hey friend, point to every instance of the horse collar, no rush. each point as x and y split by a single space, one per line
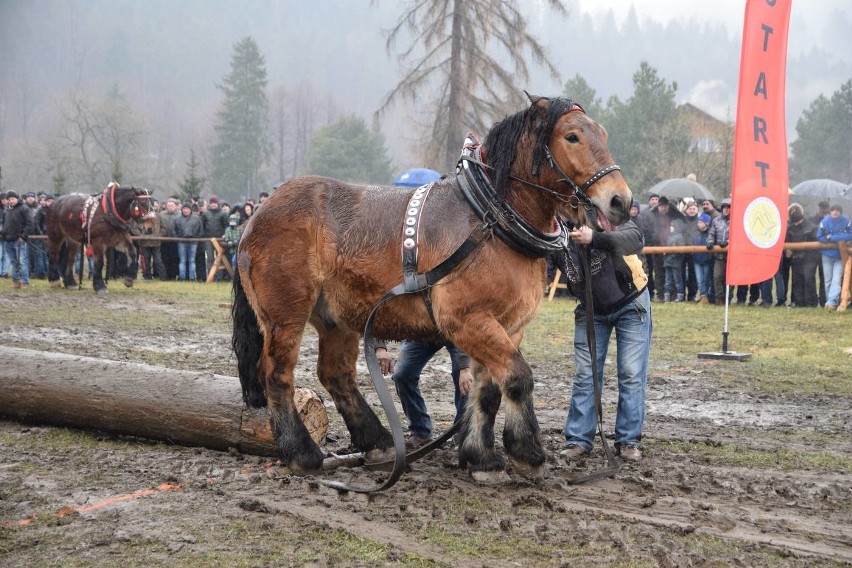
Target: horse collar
496 212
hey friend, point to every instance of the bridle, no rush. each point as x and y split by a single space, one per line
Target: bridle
137 207
578 194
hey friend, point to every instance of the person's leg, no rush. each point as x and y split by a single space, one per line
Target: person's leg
24 265
679 284
719 279
833 280
582 416
145 254
9 250
413 356
690 277
659 275
183 252
158 268
193 250
809 294
766 293
633 339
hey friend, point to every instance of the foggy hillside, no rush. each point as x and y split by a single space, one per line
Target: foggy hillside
166 57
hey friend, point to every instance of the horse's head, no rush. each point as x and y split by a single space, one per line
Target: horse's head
141 201
128 202
570 157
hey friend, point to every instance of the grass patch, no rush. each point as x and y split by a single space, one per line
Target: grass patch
801 350
742 456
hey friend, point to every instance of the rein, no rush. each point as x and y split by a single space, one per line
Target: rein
612 464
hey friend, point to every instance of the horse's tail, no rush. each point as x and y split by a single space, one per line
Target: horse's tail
247 342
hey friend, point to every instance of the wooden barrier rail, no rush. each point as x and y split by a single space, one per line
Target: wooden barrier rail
845 249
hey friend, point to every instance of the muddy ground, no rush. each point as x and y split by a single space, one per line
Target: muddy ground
729 477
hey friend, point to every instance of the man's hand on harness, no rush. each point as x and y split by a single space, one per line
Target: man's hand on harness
386 362
581 235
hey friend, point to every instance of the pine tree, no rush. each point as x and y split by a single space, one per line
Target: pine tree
241 125
348 151
192 183
823 148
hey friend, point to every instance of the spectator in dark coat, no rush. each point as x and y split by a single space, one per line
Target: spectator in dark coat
16 229
187 226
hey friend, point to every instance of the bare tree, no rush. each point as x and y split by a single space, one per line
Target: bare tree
460 70
100 141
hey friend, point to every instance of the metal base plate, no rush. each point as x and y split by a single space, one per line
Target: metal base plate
726 355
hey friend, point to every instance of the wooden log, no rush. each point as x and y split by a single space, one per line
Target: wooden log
193 409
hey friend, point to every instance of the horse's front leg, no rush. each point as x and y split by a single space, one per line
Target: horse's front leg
504 374
98 277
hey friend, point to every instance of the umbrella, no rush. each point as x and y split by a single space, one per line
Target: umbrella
416 177
680 188
822 188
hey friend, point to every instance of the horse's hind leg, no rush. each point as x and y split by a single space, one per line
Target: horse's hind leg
278 360
98 277
132 257
338 353
68 258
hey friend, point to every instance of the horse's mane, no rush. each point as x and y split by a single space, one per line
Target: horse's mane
501 142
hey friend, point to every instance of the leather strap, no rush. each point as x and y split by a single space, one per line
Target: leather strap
417 283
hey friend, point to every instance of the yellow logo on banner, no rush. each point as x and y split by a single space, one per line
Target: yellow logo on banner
762 222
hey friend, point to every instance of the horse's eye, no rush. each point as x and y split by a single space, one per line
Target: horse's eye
572 138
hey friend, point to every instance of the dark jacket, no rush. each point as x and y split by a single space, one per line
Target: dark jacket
189 227
215 223
718 233
802 232
17 222
616 269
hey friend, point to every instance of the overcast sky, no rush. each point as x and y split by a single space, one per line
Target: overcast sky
808 18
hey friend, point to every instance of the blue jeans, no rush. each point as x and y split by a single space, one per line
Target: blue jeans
413 356
4 261
19 262
832 270
766 291
704 275
632 325
674 281
186 253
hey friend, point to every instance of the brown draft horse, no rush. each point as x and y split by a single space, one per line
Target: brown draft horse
323 252
101 220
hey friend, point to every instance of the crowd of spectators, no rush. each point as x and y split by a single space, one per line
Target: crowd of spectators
161 256
805 278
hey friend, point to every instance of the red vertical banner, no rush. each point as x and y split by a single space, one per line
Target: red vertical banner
760 180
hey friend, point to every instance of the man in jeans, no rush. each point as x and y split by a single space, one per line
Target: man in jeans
16 229
621 303
413 357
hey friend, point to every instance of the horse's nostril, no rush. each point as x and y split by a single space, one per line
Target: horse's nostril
618 204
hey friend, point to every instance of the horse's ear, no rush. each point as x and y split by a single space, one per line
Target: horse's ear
535 99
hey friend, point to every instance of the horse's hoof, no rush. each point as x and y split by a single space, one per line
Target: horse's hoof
495 477
128 282
527 471
377 456
101 291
